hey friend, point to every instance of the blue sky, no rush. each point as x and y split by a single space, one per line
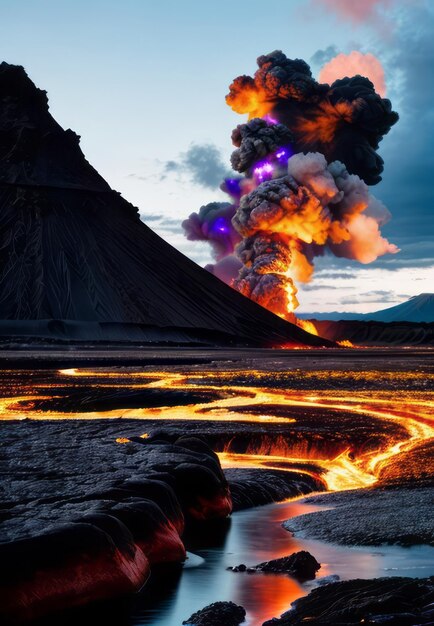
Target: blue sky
142 81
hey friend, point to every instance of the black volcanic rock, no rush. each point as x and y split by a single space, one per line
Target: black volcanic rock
85 513
394 601
76 261
253 487
300 565
218 614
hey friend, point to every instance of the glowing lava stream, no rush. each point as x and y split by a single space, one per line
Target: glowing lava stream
342 472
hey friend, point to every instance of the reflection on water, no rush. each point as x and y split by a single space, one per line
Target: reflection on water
256 535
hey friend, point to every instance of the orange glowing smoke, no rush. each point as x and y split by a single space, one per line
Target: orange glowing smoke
247 97
353 64
324 122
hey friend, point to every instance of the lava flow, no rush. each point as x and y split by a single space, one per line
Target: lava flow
345 439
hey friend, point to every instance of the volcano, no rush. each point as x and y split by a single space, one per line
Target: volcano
76 261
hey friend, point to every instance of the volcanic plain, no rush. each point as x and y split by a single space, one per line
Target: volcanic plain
111 459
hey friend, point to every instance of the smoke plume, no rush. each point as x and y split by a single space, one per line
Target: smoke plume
344 121
288 221
308 154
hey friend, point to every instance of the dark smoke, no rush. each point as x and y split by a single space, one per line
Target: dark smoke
256 140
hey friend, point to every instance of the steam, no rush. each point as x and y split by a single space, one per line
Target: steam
307 155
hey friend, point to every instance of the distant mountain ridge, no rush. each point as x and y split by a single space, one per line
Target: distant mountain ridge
417 309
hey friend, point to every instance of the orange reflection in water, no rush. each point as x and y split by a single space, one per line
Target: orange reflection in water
272 597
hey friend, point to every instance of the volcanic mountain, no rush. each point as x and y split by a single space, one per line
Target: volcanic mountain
76 261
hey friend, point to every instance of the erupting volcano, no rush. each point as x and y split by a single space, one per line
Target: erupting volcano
308 154
76 261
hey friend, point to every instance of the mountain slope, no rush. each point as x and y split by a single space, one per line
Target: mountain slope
74 250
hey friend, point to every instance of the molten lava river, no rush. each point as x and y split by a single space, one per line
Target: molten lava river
347 428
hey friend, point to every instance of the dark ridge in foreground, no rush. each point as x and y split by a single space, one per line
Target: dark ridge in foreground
394 601
76 261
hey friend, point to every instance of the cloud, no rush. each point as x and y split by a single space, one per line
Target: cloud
202 163
352 300
378 296
333 275
374 13
150 217
316 286
381 293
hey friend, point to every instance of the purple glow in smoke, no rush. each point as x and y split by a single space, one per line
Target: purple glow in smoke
263 171
220 225
232 186
269 119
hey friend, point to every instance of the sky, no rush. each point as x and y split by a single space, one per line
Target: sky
144 83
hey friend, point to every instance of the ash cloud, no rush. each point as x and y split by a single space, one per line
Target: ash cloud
358 12
308 153
355 64
344 121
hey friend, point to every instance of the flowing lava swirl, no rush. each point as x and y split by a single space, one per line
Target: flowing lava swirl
346 470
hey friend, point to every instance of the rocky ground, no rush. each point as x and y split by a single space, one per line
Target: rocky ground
84 517
88 506
371 517
391 601
85 512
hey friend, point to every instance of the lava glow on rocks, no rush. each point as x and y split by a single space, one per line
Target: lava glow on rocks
405 417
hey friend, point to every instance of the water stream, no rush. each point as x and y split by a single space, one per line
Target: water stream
256 535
